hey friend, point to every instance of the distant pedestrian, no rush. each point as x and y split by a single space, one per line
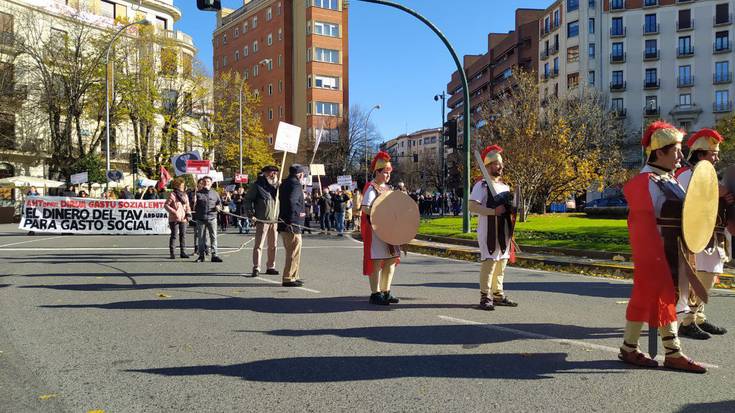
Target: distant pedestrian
325 210
238 198
261 202
125 193
339 205
291 219
150 193
179 214
207 205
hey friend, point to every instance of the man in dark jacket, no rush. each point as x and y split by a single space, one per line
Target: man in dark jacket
339 204
260 202
207 205
325 210
291 217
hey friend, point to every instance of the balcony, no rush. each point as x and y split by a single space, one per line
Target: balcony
722 78
651 84
727 20
617 5
684 51
614 33
649 29
652 112
722 107
618 86
544 32
684 26
685 81
554 50
651 55
620 112
722 46
618 58
555 73
544 54
650 3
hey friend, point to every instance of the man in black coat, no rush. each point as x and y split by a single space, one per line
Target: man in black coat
207 205
291 218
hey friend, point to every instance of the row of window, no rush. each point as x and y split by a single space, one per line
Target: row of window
721 103
685 78
416 142
323 108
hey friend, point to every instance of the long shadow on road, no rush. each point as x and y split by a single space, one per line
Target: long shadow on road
590 288
359 368
259 305
727 406
467 335
127 287
135 274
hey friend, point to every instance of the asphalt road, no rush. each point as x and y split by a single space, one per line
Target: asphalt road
109 323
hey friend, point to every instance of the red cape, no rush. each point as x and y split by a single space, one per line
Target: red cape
681 171
653 299
366 230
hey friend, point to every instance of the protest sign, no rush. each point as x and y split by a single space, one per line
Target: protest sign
145 182
198 167
344 180
241 178
94 216
287 138
80 178
179 161
317 169
334 187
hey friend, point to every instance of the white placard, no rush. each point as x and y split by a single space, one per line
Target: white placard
344 180
147 182
216 176
317 169
80 178
287 138
334 187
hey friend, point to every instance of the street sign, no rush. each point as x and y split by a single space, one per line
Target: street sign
344 180
198 167
287 138
114 175
178 162
80 178
241 178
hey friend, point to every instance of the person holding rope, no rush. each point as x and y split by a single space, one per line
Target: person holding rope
260 202
379 258
291 219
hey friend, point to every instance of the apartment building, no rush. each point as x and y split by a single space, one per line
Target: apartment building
24 132
570 47
415 147
489 74
669 59
294 54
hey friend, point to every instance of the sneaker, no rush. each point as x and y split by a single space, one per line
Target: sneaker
684 363
504 302
378 299
637 358
294 283
272 271
172 256
387 296
712 329
216 258
693 331
486 303
255 273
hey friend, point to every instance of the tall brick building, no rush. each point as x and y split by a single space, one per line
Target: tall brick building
294 53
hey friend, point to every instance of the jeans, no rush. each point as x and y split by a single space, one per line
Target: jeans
339 218
204 227
244 225
180 229
324 221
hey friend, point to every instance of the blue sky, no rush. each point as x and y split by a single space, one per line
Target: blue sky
395 60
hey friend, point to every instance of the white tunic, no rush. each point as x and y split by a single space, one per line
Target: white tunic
378 248
479 194
708 260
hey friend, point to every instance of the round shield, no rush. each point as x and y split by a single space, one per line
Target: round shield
700 207
394 217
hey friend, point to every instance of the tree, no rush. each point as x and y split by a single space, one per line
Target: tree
726 127
556 150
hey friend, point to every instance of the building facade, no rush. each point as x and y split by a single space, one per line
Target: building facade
417 158
294 54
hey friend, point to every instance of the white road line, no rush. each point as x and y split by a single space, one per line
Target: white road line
279 283
33 240
528 334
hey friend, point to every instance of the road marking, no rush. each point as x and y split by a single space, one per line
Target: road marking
528 334
279 283
33 240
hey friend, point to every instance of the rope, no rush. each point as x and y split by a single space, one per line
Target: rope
279 221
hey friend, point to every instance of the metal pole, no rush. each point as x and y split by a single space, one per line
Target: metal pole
443 163
466 93
240 123
367 161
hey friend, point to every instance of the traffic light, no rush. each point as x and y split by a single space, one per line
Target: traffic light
450 133
209 5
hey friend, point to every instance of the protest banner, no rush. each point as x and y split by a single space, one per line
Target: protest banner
241 178
145 182
80 178
344 180
94 216
334 187
198 167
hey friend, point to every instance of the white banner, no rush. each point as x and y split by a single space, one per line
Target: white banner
94 216
80 178
344 180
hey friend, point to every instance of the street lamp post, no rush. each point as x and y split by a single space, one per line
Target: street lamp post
442 182
367 161
109 78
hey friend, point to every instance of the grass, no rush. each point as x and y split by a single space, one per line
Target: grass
550 230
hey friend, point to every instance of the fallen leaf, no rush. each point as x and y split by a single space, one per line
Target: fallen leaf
621 302
162 295
96 411
47 396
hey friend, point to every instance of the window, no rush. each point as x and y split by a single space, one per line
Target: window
245 26
573 54
326 55
617 77
572 80
650 3
237 32
326 29
650 25
722 72
7 131
280 112
722 13
557 19
6 29
224 61
617 104
722 100
278 9
237 55
270 89
617 50
685 19
169 61
269 14
591 26
280 60
546 69
547 24
107 9
255 70
685 75
572 5
255 46
722 40
592 50
327 109
280 86
245 74
280 34
651 49
556 65
651 105
269 39
245 51
573 29
591 77
685 45
617 4
169 99
270 113
651 79
326 82
254 21
7 78
685 100
161 23
326 4
616 27
224 39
